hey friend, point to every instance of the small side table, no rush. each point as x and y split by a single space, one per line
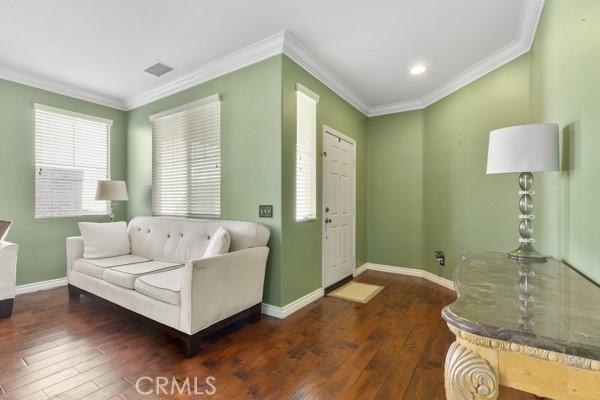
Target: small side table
8 277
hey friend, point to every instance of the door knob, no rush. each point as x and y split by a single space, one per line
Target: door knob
327 220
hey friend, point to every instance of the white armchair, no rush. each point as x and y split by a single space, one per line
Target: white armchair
8 277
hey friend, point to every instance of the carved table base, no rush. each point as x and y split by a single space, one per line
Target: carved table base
476 366
468 376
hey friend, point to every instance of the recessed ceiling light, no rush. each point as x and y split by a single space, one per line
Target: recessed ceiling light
418 69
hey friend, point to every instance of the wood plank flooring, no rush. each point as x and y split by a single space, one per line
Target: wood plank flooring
391 348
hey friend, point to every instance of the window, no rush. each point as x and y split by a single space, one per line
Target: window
306 154
71 155
186 160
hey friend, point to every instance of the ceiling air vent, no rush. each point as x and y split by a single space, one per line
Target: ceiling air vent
158 69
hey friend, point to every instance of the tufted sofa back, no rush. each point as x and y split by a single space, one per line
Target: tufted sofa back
181 240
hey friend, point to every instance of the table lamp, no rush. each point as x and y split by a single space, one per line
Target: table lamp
4 228
524 149
111 191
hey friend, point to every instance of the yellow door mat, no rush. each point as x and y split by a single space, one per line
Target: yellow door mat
356 291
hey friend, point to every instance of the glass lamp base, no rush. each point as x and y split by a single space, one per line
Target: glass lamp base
527 253
112 211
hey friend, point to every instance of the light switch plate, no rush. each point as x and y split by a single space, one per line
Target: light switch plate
265 211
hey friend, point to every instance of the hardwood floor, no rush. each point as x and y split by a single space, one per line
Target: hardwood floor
393 347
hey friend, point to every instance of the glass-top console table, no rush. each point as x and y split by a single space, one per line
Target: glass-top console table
531 326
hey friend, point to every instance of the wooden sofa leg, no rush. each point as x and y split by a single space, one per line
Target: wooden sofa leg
73 293
256 314
191 344
6 307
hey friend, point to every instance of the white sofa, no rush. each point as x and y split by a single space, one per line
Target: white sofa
8 277
166 279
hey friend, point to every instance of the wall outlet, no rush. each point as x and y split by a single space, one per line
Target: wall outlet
441 258
265 211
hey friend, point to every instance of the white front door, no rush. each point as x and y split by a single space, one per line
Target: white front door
338 207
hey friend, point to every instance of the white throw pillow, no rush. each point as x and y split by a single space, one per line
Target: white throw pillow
219 243
101 240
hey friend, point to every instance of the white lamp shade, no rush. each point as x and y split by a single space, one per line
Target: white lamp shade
111 190
523 148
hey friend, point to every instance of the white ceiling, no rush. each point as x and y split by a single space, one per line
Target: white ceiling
97 50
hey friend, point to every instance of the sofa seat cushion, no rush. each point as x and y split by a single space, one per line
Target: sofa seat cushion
125 275
162 286
96 267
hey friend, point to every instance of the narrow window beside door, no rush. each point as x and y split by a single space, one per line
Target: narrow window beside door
186 160
306 154
71 155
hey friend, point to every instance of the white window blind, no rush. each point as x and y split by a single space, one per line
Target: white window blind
71 155
186 160
306 154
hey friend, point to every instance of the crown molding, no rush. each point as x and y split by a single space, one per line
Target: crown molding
280 43
528 21
401 106
301 56
241 58
285 43
53 86
531 12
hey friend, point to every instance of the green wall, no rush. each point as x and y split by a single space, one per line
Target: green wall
462 208
395 189
42 241
302 242
258 117
251 152
427 187
258 128
565 88
421 182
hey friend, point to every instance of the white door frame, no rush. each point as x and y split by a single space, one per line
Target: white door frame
329 130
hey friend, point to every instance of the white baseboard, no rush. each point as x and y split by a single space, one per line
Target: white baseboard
43 285
360 270
271 310
268 309
289 309
419 273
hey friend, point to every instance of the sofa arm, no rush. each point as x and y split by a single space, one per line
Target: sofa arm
8 269
218 287
74 251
